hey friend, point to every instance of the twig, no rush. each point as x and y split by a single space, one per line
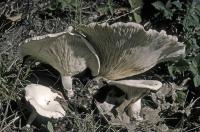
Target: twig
118 17
16 118
193 129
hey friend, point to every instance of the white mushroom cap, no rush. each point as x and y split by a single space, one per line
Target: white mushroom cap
136 88
43 100
126 49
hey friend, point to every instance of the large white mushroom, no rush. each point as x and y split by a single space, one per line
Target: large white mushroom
126 49
66 52
43 100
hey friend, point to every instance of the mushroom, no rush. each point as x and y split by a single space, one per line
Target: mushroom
126 49
42 99
66 52
134 89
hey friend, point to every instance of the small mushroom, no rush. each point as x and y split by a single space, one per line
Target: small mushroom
134 89
66 52
126 49
42 99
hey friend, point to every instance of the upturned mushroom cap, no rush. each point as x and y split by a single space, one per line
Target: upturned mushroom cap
43 100
64 51
129 108
135 89
126 49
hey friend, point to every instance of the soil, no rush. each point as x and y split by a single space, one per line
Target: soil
173 108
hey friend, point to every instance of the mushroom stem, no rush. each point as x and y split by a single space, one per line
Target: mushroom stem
134 110
67 84
31 118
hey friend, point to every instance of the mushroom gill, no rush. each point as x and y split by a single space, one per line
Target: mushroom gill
126 49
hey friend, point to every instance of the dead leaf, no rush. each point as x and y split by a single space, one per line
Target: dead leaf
15 18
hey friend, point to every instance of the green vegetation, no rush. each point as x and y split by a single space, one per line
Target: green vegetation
187 16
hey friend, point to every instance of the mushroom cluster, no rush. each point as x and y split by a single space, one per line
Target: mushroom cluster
112 52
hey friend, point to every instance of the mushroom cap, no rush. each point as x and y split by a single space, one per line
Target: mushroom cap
135 89
126 49
64 51
43 100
